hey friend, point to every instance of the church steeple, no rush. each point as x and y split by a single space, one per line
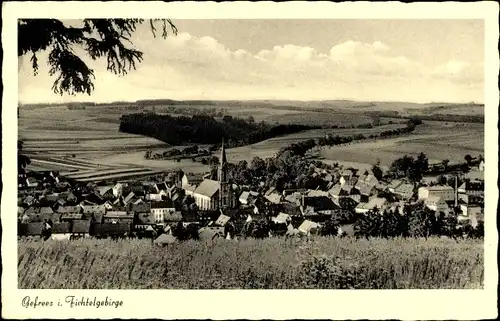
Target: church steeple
224 192
222 164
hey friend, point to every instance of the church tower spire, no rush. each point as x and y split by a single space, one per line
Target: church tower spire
222 177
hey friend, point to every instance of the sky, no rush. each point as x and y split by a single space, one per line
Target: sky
364 60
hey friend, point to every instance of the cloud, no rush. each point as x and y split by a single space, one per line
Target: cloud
188 67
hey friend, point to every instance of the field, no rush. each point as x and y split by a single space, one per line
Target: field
252 264
57 138
436 139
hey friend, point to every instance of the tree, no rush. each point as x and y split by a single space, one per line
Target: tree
468 159
377 171
445 163
99 38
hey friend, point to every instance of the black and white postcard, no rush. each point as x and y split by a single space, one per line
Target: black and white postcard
249 160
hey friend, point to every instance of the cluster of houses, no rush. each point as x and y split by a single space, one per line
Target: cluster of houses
140 208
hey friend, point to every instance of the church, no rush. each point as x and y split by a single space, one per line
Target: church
215 194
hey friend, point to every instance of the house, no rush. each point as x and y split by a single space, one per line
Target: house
110 229
282 218
41 217
471 192
61 231
318 203
222 220
106 192
294 197
393 185
445 192
368 178
118 190
346 229
142 207
68 217
470 211
160 210
94 217
30 211
190 179
46 210
273 196
156 196
33 229
32 182
375 203
248 197
308 227
291 209
335 191
161 187
88 209
29 200
346 175
404 191
189 190
144 220
130 198
165 239
69 209
118 217
206 195
436 203
170 217
481 166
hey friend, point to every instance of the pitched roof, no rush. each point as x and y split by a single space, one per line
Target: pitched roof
282 218
222 220
54 217
145 219
69 209
104 189
293 197
438 188
335 190
129 197
161 186
244 196
307 226
291 209
46 210
118 214
34 228
395 183
141 207
165 239
377 202
432 199
110 228
207 187
61 228
71 216
270 191
163 204
173 217
404 189
317 193
274 198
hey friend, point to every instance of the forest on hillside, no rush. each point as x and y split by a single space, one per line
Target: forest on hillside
203 129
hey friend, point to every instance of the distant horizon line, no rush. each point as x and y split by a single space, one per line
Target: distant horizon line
472 102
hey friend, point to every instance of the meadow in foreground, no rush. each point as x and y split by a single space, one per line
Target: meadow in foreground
317 263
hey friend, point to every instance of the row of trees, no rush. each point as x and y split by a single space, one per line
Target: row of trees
416 221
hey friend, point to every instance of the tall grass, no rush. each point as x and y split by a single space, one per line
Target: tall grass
252 264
